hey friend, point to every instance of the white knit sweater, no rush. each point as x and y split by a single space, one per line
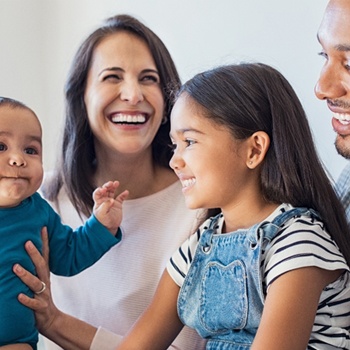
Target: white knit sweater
114 292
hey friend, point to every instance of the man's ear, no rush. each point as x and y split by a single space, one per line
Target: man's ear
258 145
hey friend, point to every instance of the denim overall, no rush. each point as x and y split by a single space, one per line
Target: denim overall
222 296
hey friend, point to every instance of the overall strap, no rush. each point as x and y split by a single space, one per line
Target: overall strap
207 234
271 228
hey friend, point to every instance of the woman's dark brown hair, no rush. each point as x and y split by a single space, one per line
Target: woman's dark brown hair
77 161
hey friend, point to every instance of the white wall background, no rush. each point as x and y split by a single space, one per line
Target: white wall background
39 37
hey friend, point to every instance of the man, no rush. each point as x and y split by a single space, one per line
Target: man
333 85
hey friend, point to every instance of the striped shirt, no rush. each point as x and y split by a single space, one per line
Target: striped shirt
300 242
343 189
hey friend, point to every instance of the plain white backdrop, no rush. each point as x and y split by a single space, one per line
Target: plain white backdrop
39 38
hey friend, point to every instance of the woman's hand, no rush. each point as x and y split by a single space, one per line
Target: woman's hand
65 330
42 304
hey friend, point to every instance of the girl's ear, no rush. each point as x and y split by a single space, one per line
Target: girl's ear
258 145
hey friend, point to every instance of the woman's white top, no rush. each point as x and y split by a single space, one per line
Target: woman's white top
115 291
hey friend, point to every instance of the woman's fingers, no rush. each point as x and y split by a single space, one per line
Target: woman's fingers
45 241
33 282
40 261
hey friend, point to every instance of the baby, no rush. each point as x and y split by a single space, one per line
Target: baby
23 213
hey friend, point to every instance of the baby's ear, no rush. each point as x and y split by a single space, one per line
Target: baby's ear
259 144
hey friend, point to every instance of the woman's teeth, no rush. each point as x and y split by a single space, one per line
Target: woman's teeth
127 118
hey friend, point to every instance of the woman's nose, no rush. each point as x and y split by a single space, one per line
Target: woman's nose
131 92
330 83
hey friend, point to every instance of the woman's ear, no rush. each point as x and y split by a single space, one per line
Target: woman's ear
258 145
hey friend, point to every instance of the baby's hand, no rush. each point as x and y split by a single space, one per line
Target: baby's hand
108 206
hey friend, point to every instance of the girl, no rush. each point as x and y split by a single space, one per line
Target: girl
268 270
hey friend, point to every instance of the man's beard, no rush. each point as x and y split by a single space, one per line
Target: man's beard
343 146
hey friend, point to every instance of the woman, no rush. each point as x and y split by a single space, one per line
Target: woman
118 99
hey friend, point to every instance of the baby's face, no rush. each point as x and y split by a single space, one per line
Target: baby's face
21 170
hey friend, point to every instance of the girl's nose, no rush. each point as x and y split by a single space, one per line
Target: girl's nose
330 84
131 92
176 162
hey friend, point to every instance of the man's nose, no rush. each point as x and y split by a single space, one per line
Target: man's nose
330 84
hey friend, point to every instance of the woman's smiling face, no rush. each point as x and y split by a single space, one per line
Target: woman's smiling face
123 95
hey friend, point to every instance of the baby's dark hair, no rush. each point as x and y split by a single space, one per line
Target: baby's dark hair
10 102
15 104
251 97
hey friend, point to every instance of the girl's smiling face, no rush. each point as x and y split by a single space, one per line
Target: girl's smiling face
209 161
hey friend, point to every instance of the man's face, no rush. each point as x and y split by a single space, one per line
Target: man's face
334 81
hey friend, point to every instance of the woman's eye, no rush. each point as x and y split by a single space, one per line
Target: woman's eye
150 78
111 77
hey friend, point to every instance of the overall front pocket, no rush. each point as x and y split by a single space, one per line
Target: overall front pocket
224 300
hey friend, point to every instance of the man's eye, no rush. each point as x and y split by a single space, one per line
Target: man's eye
323 54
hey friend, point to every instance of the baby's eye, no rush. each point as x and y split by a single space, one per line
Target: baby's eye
31 151
3 147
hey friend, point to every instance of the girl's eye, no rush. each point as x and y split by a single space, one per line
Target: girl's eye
172 146
190 142
31 151
3 147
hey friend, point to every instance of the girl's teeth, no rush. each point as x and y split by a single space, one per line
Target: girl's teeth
189 182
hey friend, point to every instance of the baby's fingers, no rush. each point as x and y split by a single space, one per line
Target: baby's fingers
111 187
122 196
